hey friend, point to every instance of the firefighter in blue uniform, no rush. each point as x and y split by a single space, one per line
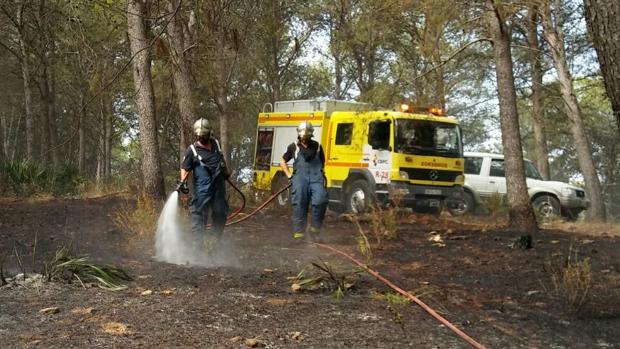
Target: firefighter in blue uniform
205 160
308 182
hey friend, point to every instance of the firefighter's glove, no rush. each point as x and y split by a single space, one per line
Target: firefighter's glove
182 187
290 178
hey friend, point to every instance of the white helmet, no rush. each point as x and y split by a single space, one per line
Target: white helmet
201 127
305 129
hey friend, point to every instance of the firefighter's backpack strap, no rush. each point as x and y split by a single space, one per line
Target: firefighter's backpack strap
196 155
296 151
219 148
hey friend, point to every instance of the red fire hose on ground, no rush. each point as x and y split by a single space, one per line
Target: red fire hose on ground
411 297
374 273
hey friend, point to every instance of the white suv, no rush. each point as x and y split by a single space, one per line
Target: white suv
484 177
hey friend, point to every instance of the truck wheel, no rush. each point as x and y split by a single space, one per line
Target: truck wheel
465 205
358 198
546 206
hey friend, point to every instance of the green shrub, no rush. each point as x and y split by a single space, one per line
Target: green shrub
25 178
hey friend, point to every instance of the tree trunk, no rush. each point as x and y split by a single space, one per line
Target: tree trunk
48 142
108 116
100 155
222 102
44 140
140 49
538 123
2 137
81 136
51 117
101 146
338 93
521 216
11 131
25 68
554 36
181 77
603 18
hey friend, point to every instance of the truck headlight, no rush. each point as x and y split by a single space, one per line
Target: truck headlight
404 175
459 178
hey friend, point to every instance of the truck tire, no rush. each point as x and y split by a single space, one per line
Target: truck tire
358 197
465 207
546 206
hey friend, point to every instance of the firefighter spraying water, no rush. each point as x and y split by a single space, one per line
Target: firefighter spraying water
205 161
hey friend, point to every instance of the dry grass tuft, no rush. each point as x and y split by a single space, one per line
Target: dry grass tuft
496 205
140 220
325 276
572 280
585 228
384 223
116 329
390 297
375 227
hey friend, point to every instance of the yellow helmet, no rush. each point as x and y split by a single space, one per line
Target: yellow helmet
201 127
305 129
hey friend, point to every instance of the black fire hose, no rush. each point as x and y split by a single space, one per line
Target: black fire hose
242 198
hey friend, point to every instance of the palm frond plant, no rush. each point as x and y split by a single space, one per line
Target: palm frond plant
66 266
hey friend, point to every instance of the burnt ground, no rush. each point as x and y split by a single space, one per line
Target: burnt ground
499 295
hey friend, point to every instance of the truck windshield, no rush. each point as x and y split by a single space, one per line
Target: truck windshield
422 137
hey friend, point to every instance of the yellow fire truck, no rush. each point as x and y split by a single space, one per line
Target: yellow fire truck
371 156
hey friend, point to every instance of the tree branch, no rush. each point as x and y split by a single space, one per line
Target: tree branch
452 56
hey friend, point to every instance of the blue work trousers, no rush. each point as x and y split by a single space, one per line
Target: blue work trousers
303 195
209 198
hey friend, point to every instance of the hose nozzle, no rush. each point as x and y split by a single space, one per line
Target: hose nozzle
182 187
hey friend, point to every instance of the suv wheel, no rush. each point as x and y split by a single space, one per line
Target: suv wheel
546 206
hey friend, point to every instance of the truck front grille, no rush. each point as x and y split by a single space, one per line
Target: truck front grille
423 174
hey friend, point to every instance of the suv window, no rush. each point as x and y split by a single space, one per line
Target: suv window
473 165
531 171
497 168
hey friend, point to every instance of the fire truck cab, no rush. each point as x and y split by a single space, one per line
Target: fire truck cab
413 158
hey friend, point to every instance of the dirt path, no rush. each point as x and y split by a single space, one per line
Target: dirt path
497 294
